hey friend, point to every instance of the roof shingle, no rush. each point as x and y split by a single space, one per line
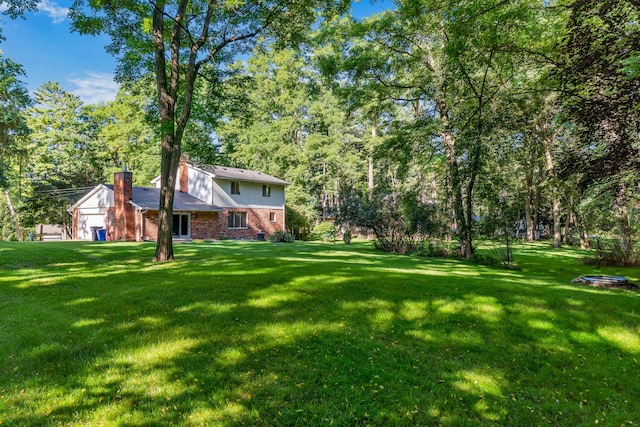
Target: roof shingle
149 199
226 172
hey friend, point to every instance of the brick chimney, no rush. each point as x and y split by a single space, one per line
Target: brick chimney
183 174
124 217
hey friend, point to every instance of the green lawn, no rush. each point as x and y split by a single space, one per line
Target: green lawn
255 333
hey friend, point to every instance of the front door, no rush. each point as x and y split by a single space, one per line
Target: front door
181 225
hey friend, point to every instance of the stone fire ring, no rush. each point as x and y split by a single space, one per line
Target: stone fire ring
606 282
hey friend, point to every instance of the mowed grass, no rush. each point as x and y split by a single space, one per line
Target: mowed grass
254 333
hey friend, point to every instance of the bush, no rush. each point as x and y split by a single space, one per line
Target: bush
281 236
325 231
432 250
399 226
610 254
298 224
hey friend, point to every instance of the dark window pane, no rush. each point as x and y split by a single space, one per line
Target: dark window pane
235 187
184 225
175 228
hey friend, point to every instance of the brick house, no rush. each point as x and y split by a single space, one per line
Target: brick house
211 202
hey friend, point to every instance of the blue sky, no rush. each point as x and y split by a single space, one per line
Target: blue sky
44 45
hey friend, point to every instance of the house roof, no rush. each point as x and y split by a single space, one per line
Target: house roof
88 195
226 172
235 174
149 198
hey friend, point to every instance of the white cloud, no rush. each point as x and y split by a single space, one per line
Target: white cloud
56 12
94 87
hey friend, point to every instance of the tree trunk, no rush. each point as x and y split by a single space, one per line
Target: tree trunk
172 128
536 204
370 181
557 225
621 215
168 174
555 193
467 249
464 236
14 217
570 220
528 216
583 232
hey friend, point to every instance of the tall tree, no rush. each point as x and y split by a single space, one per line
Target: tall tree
453 59
13 100
66 153
285 119
181 40
128 133
601 90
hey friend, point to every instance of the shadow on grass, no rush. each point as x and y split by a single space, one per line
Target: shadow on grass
253 333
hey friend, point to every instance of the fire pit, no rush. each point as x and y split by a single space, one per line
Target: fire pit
606 282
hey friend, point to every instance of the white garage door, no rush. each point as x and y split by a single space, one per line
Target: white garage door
86 221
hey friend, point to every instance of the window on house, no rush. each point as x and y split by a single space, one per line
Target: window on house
272 217
266 190
180 225
235 187
237 220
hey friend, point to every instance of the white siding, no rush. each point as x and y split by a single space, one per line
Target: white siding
200 185
86 221
93 211
250 195
101 199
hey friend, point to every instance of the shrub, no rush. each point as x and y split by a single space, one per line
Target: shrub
281 236
610 254
432 250
325 231
399 226
298 223
496 258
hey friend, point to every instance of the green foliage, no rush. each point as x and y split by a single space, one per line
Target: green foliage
288 121
281 236
325 231
17 8
67 155
400 226
346 236
434 249
298 224
497 256
63 139
13 128
600 86
127 133
609 253
7 227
